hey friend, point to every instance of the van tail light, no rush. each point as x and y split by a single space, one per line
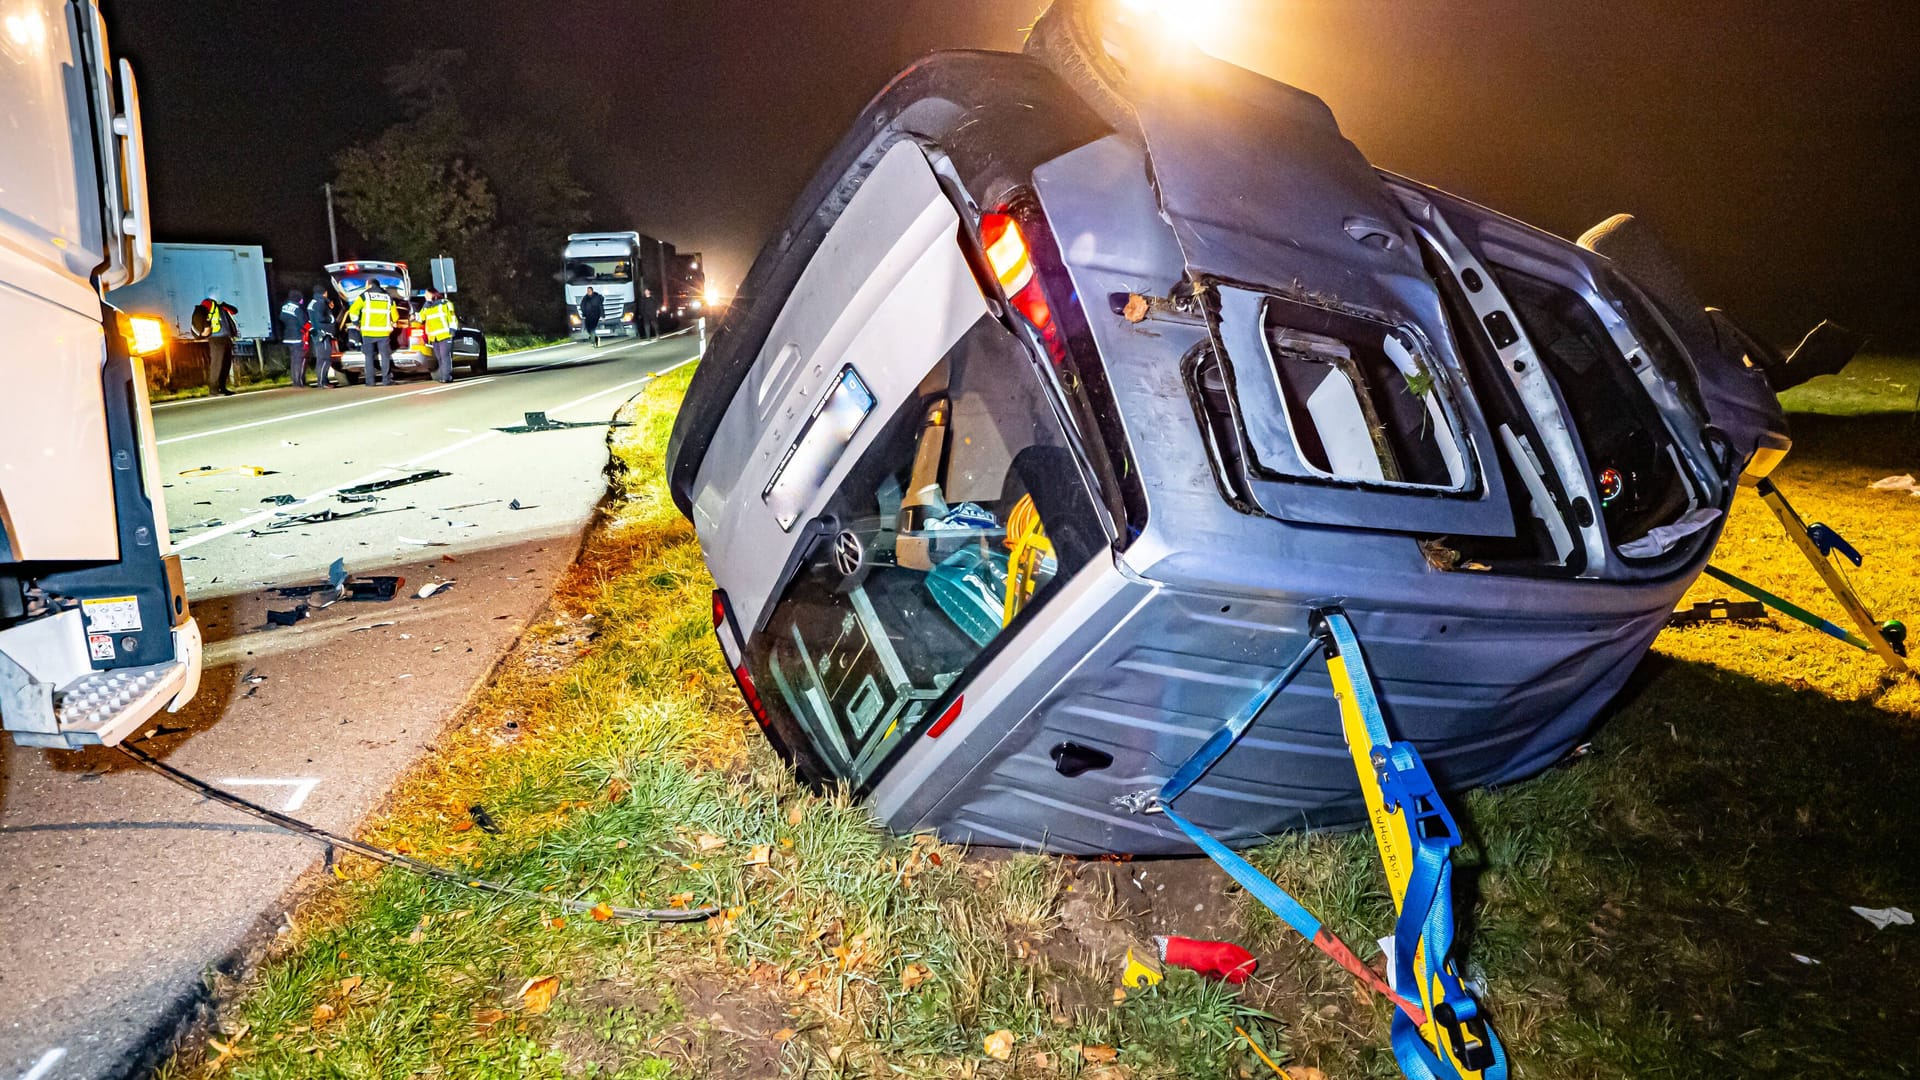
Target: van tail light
735 652
947 718
1012 263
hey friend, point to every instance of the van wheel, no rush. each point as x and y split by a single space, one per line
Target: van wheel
1068 41
478 365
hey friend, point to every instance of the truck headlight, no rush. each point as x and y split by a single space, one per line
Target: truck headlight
573 319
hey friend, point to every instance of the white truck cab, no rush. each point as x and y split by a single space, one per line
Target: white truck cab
95 636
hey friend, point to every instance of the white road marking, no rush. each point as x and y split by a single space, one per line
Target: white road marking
44 1067
293 416
440 389
302 787
267 515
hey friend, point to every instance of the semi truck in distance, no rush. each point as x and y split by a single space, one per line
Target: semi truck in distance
611 264
95 635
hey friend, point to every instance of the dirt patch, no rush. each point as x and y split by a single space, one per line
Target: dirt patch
1113 905
728 1028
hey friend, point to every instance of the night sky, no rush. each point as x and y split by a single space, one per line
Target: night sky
1776 145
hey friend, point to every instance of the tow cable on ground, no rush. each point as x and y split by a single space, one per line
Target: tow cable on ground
391 858
1442 1035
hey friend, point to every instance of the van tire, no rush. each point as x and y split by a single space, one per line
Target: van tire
1065 39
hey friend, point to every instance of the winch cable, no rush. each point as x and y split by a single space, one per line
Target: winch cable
392 858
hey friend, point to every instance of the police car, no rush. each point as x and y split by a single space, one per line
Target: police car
411 353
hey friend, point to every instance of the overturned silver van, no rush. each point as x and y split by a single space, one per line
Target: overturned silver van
1066 395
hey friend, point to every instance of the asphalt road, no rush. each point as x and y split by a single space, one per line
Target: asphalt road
120 892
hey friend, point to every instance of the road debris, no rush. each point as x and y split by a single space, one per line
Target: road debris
483 820
430 588
1904 482
371 626
423 543
287 618
1881 918
388 485
229 470
539 421
469 506
346 498
517 505
210 523
280 500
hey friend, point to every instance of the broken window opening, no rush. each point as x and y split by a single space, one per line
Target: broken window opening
1363 402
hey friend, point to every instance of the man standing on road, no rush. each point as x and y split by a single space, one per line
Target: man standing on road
440 320
372 312
293 334
649 313
592 306
320 334
214 321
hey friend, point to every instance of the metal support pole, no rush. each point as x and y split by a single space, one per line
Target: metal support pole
333 233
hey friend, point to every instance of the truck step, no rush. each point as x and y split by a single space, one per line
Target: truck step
104 707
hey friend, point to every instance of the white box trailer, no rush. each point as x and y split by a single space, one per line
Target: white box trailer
181 277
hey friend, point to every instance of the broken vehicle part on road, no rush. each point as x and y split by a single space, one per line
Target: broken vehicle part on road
372 487
539 421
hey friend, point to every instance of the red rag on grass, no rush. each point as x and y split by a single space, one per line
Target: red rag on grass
1215 959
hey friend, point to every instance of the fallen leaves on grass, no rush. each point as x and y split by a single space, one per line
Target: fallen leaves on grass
796 814
601 912
349 984
322 1013
484 1019
784 1035
1098 1055
558 922
999 1045
710 842
537 996
913 975
680 900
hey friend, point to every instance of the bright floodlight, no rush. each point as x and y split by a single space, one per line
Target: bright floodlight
1187 20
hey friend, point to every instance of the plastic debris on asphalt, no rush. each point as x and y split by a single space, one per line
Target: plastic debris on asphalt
423 543
398 481
1881 918
539 421
430 588
286 618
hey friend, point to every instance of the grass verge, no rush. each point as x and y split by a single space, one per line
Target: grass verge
1636 913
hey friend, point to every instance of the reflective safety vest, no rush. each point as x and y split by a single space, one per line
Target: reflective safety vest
216 321
372 313
440 320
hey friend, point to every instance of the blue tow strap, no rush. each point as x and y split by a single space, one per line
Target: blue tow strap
1424 929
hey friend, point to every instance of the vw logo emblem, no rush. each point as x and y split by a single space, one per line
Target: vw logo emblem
848 554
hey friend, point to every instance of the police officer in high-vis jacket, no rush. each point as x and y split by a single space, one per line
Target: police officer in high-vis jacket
373 312
440 321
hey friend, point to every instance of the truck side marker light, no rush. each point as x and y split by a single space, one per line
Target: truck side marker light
946 720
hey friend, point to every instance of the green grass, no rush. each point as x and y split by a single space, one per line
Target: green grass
1633 914
1867 386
